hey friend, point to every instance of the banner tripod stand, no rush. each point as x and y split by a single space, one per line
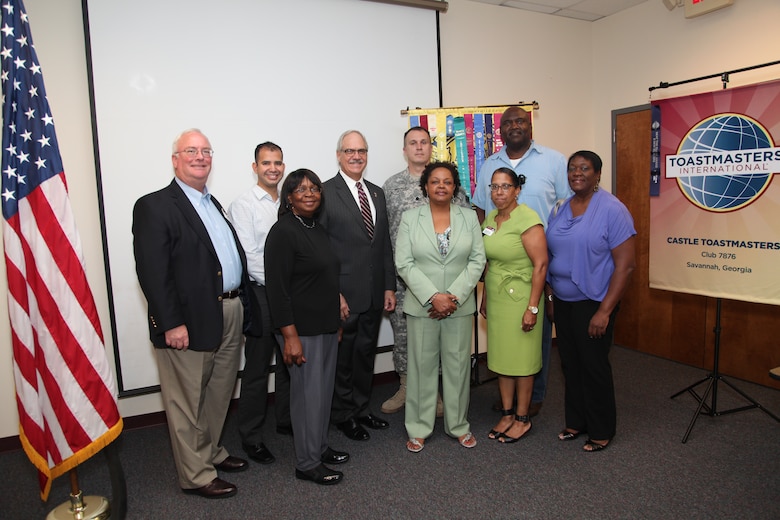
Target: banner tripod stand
712 387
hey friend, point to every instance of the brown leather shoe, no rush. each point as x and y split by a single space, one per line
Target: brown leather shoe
232 465
217 488
534 409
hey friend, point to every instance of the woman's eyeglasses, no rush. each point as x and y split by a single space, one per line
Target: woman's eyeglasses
501 187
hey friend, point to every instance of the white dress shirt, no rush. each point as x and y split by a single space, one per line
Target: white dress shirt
252 215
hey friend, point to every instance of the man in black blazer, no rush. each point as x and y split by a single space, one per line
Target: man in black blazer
192 270
355 215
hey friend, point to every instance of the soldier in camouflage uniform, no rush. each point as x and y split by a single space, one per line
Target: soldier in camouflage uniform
402 192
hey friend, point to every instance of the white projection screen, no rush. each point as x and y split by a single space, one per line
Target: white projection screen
295 72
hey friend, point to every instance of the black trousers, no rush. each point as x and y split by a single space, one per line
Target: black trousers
355 366
253 404
590 391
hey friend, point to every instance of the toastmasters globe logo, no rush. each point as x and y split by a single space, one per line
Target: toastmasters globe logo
724 162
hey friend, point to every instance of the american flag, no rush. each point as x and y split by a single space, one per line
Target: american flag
65 391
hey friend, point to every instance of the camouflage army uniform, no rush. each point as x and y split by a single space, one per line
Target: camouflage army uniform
403 192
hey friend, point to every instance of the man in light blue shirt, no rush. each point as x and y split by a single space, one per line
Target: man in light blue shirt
546 182
192 270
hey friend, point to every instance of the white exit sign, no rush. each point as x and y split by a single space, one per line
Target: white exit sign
694 8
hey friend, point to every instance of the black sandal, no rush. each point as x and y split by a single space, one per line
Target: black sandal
495 434
594 446
567 435
506 439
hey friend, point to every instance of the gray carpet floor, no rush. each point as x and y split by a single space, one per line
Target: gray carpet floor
729 468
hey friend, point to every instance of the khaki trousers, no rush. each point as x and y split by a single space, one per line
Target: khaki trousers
196 390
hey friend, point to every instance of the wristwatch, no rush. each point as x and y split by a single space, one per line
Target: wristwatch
534 310
549 297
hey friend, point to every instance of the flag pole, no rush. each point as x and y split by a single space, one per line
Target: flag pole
80 507
66 393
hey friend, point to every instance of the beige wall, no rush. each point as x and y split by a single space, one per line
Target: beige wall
648 44
495 55
578 71
581 71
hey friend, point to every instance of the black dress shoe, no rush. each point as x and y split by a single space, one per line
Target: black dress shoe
322 475
259 453
332 456
284 430
232 465
353 430
373 422
217 488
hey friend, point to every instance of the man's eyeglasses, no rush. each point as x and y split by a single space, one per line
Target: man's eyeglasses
312 189
500 187
353 151
193 152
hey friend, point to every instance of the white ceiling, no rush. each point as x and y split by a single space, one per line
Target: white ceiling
589 10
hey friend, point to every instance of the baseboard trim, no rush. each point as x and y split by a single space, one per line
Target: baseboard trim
156 418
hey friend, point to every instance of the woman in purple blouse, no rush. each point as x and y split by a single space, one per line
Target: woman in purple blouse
590 238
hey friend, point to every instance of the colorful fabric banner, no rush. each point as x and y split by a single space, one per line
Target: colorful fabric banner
481 136
470 173
497 142
489 135
65 392
461 155
655 152
479 147
451 150
714 228
438 130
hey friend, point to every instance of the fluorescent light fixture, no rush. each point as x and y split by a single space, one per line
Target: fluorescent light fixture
436 5
528 6
579 15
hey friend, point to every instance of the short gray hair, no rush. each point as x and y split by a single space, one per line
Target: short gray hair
183 133
345 134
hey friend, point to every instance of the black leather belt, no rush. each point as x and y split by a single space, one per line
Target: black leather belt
231 294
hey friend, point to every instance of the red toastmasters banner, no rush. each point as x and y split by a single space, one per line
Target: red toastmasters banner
715 222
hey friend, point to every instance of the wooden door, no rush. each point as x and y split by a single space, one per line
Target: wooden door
679 326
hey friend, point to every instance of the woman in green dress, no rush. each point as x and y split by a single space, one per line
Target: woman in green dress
516 250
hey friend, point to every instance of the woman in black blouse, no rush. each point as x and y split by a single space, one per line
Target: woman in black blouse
302 283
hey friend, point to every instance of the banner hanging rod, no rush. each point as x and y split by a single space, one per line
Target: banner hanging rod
532 104
724 76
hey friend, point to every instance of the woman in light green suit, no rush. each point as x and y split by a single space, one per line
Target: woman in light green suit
440 255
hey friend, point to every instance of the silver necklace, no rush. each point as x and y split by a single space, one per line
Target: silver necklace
313 223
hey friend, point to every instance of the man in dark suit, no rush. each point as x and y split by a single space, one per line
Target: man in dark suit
192 270
355 215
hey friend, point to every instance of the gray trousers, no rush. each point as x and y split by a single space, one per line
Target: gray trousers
311 394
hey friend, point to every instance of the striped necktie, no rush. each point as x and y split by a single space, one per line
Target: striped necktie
365 210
